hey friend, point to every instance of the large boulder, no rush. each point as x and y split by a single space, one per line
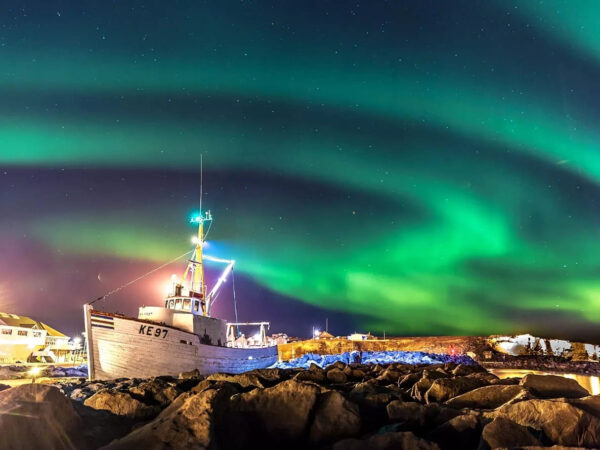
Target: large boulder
436 414
277 414
461 432
373 398
387 441
561 422
334 418
506 381
589 404
391 375
268 377
156 391
412 414
553 386
190 374
488 397
486 377
419 389
446 388
462 370
245 380
504 433
79 394
4 386
121 404
311 375
336 376
355 373
409 380
336 365
189 422
38 416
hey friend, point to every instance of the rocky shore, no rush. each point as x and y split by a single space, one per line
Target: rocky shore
545 364
342 406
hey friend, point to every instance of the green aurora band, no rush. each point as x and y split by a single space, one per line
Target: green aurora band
474 222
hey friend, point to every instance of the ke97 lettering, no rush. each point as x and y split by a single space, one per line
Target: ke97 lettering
150 330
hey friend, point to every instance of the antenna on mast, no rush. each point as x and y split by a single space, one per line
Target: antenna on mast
201 171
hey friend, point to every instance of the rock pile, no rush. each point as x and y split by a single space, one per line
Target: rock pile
342 406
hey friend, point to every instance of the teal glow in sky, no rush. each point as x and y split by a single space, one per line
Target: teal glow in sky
412 169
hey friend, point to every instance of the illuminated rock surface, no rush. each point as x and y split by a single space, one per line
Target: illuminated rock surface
380 406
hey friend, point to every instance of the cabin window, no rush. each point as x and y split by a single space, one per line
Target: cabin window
5 331
166 303
171 303
22 333
196 305
178 303
186 304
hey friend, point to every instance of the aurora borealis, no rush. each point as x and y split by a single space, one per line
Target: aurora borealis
414 167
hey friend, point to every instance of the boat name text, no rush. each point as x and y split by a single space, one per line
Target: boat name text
150 330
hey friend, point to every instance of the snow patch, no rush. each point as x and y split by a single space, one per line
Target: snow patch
592 350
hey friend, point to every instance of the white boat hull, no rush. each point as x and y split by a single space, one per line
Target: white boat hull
123 347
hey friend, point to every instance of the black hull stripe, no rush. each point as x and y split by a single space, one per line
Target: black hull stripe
110 327
96 316
102 321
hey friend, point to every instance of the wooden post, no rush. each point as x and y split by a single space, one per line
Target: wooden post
89 346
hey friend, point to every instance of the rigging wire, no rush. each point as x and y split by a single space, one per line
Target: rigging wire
201 172
208 230
114 291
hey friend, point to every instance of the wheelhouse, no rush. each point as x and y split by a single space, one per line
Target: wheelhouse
187 304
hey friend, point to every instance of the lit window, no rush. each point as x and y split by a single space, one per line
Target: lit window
171 303
5 331
22 333
186 304
178 303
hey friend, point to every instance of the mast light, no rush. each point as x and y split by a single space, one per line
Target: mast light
201 218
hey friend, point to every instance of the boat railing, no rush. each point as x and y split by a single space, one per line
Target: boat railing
237 339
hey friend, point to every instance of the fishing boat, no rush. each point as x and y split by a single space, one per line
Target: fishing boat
180 336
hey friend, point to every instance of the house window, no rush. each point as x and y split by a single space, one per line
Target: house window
37 334
5 331
22 333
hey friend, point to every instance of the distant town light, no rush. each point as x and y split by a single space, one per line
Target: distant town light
34 371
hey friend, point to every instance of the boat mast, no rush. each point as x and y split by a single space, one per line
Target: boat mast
195 265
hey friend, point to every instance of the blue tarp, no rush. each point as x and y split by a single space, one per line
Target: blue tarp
54 371
373 358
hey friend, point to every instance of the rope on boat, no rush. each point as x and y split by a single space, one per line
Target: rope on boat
114 291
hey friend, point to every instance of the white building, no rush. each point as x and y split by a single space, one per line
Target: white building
360 337
23 339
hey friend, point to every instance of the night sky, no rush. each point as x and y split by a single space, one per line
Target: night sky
414 167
